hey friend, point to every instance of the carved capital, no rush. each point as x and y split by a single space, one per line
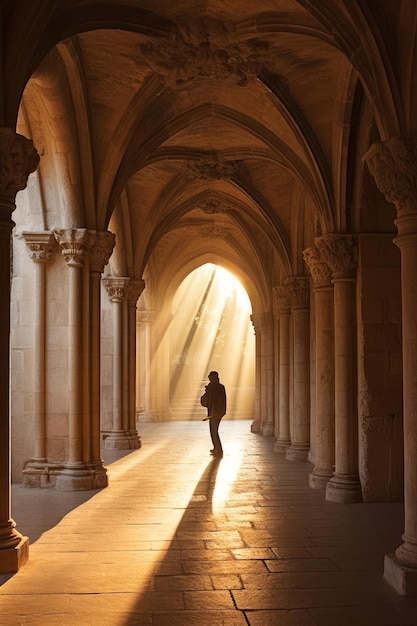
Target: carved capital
282 305
18 159
262 322
318 268
134 290
145 317
116 287
298 290
340 253
101 250
393 164
40 245
74 243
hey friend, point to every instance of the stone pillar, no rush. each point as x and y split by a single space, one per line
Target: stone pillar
143 367
40 246
265 323
135 288
75 475
325 392
340 254
256 426
283 440
394 167
18 159
298 290
116 288
99 256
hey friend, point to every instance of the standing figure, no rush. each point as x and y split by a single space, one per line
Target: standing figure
214 399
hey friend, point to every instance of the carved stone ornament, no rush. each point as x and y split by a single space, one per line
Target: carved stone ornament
145 317
206 48
318 268
134 290
18 159
40 245
116 287
210 207
213 231
282 303
262 322
340 253
298 290
74 243
393 164
211 166
101 250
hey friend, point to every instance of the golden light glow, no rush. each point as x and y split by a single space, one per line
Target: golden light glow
211 330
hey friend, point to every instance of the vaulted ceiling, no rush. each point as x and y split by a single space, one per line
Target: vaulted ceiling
200 130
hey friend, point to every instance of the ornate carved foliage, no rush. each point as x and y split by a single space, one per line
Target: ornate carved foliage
116 287
134 289
101 250
18 159
282 304
298 291
393 164
205 48
212 166
339 252
40 245
74 243
319 270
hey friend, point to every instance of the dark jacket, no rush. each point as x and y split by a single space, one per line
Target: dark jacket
214 399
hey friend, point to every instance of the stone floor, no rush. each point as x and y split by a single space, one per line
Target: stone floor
179 539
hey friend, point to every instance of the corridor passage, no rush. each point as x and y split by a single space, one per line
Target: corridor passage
178 539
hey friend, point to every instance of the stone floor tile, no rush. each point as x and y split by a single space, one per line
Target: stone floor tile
200 618
203 600
301 565
282 618
183 582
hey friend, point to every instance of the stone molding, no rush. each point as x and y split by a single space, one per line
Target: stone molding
116 287
320 271
40 245
339 252
298 290
101 250
18 159
134 290
206 48
74 243
393 164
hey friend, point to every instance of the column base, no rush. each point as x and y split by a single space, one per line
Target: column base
282 445
12 559
402 578
41 475
297 453
255 426
135 442
72 479
319 478
344 488
117 441
268 430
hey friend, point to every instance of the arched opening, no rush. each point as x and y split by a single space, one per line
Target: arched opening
211 329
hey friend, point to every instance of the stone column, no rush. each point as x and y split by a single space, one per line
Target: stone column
40 246
99 256
18 159
298 290
256 426
324 330
394 167
116 288
266 323
143 366
75 475
340 254
284 312
135 288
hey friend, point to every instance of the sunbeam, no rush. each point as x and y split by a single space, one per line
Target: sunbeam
211 329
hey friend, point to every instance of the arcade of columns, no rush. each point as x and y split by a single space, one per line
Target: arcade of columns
283 374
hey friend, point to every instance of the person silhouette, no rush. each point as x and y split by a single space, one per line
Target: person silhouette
214 400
